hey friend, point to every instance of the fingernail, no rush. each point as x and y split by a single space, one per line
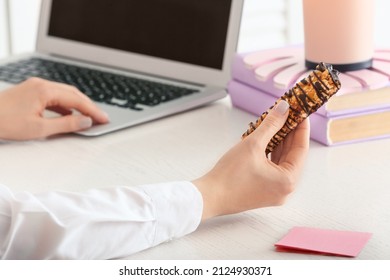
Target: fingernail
106 115
282 107
85 122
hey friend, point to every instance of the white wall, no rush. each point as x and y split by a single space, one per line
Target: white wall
4 47
24 23
382 23
265 24
269 24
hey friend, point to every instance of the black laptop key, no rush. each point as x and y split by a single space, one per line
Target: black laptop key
100 86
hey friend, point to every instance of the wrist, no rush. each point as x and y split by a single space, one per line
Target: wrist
207 188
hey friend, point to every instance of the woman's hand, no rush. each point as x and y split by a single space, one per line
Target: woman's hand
22 107
244 178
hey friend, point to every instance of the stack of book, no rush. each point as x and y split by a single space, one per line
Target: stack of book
359 111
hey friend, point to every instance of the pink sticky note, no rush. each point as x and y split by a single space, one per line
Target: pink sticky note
323 241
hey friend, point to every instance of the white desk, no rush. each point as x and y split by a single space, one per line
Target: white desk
344 188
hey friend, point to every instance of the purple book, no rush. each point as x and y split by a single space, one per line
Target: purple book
277 70
328 130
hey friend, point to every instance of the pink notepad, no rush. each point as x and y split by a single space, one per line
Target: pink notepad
323 241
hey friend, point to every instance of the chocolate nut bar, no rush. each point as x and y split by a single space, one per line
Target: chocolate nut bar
306 97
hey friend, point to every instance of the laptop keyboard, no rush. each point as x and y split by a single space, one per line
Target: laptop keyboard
100 86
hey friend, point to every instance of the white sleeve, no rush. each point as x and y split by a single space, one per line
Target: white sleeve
98 224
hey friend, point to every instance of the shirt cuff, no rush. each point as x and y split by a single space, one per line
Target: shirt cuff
178 209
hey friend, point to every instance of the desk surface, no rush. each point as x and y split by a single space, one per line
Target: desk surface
344 188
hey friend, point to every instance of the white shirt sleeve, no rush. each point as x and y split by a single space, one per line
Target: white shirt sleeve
98 224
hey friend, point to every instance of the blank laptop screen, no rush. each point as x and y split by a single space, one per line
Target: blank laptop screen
189 31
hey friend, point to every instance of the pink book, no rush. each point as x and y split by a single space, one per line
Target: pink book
328 130
277 70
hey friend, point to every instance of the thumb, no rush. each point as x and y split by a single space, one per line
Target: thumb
65 124
273 122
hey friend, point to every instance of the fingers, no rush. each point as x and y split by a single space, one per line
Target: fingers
64 124
296 148
274 121
281 150
72 89
60 110
76 100
57 95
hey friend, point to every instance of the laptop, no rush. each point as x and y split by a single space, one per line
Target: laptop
138 60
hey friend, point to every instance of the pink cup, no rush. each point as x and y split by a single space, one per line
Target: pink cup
339 32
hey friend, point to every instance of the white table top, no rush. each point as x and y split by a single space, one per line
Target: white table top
344 188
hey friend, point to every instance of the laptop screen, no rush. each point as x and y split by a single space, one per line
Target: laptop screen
188 31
